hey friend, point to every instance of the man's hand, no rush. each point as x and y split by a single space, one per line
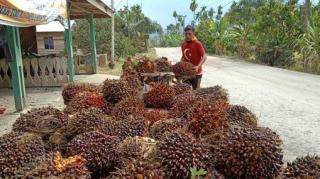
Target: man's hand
196 68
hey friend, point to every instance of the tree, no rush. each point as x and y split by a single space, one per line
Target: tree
193 8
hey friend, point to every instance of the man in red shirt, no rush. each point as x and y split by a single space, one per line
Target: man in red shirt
193 51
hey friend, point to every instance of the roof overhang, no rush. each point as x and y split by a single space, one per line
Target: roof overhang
84 8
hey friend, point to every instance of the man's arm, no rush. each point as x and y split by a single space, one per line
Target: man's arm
203 56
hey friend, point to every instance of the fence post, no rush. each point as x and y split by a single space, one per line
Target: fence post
93 44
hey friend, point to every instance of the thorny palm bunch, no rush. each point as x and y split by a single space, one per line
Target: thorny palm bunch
87 120
207 116
183 68
160 96
246 152
215 93
163 64
181 88
241 114
161 128
28 121
97 148
154 115
128 106
129 127
134 81
116 90
180 152
19 152
127 65
182 104
303 167
72 89
146 66
140 169
86 100
134 148
55 166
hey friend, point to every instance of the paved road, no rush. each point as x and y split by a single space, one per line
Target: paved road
285 101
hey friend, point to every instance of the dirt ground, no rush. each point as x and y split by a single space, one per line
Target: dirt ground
286 101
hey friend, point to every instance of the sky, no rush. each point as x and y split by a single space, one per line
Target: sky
162 10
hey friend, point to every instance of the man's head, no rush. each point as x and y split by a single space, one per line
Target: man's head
189 33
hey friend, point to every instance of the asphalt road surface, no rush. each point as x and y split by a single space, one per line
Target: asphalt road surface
286 101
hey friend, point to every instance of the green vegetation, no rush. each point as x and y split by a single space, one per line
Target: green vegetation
197 173
132 29
273 32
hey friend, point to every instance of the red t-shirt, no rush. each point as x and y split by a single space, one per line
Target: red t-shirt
193 52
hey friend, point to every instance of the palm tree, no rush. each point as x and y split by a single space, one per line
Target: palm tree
193 8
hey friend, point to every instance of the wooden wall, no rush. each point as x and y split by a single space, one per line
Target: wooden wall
58 41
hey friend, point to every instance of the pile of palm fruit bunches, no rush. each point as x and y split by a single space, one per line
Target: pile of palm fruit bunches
115 131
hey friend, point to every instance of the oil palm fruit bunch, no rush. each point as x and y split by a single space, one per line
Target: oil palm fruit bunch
140 169
182 104
163 64
134 148
179 152
86 100
134 81
181 88
19 153
127 65
146 66
303 167
154 115
160 96
241 114
28 121
72 89
87 120
55 166
215 93
207 116
128 106
246 152
116 90
161 128
129 127
183 68
98 149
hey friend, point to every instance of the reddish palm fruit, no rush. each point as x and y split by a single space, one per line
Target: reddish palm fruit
19 153
179 152
128 106
154 115
134 148
182 104
134 81
127 65
160 96
87 120
215 93
181 88
207 116
72 89
98 149
183 68
246 152
116 90
55 166
303 167
28 121
146 66
241 114
161 128
163 65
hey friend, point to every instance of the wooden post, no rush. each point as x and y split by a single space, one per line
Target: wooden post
68 40
16 67
93 44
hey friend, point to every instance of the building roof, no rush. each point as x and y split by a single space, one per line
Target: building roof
84 8
54 26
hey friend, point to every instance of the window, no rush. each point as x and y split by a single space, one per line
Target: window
48 43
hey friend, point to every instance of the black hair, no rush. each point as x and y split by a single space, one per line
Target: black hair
189 27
